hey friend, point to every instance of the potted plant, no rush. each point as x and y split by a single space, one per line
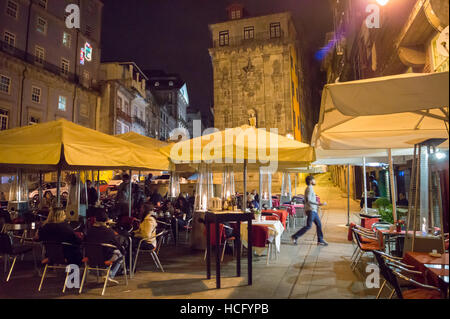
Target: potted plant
385 209
257 214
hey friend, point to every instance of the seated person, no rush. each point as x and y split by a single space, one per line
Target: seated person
48 201
100 233
402 200
182 215
147 229
56 229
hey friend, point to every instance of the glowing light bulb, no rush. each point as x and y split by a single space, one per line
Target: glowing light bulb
440 155
382 2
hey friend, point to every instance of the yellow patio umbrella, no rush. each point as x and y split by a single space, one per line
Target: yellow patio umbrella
255 146
147 142
65 145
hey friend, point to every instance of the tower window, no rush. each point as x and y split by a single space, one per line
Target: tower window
275 30
249 33
224 38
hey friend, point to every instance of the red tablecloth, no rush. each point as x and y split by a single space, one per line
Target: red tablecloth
282 214
275 202
291 208
260 235
419 259
368 222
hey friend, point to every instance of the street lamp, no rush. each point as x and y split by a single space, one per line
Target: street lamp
382 2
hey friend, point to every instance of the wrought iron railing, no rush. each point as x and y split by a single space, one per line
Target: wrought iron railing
247 40
139 121
32 59
123 115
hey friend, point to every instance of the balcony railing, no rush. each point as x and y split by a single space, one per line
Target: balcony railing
261 37
140 122
123 115
32 59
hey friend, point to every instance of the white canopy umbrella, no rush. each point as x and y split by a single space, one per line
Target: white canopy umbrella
392 112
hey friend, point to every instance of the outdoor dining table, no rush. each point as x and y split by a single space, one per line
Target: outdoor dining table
435 269
282 215
221 217
274 230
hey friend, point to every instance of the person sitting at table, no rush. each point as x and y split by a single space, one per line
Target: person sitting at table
100 233
48 201
182 214
147 229
156 198
92 194
374 186
402 200
56 229
138 199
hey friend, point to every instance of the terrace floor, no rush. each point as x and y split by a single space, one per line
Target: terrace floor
306 271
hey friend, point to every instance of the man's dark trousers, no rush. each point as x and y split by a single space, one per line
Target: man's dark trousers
312 217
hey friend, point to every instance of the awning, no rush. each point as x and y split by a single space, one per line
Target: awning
387 112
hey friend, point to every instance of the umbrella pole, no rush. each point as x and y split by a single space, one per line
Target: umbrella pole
129 197
348 194
40 187
260 188
78 191
365 184
393 193
98 184
295 184
86 191
244 195
269 181
58 187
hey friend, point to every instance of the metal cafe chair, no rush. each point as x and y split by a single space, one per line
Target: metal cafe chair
94 259
384 261
366 236
153 251
55 259
418 291
364 248
222 238
188 228
8 250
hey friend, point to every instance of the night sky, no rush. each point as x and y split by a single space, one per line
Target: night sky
173 35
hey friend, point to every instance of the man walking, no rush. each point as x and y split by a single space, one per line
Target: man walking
311 206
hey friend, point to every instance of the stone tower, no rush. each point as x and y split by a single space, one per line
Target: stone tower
259 77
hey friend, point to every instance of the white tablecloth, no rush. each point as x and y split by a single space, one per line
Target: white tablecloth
276 229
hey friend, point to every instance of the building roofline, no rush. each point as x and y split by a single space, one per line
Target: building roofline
288 13
126 62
